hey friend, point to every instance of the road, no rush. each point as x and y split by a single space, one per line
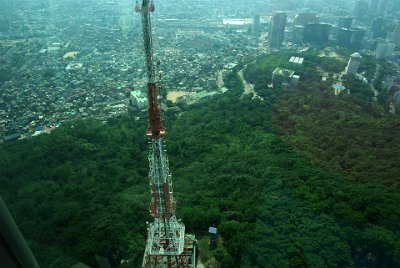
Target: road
220 78
378 68
248 88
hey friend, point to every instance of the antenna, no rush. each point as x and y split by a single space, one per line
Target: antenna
167 245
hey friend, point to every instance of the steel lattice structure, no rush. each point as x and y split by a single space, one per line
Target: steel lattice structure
167 245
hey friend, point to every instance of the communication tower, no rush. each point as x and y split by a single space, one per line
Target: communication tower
167 244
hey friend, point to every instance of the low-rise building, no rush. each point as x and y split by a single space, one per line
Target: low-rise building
284 77
138 100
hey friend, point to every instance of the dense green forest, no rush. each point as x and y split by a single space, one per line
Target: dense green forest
83 190
349 133
79 191
345 134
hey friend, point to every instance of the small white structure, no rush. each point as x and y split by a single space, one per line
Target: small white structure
353 64
237 22
296 60
138 100
74 66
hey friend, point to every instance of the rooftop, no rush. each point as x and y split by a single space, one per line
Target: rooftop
212 230
339 87
296 60
137 94
356 55
71 54
239 22
283 72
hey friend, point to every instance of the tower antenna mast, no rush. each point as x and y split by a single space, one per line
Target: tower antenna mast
166 245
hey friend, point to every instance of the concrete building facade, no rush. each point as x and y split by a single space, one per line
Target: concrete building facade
396 35
353 64
138 100
317 33
284 77
256 25
277 30
345 22
360 9
357 38
306 18
385 50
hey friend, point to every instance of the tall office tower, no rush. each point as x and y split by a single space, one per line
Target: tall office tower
306 18
269 8
360 9
111 13
396 35
317 34
277 30
256 25
357 38
373 8
353 64
298 34
343 37
345 22
378 28
315 5
288 4
382 7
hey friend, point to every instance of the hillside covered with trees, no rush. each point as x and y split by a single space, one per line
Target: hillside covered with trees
236 163
350 133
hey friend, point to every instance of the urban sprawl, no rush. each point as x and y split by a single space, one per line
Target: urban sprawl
62 60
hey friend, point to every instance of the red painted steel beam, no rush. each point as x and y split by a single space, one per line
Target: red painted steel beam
155 129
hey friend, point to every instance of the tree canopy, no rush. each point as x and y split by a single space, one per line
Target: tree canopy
272 176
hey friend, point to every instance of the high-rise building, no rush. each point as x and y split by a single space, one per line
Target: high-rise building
353 64
373 8
350 38
317 33
343 37
256 25
306 18
298 34
287 4
382 7
277 30
345 22
357 38
378 28
269 8
360 9
396 35
385 50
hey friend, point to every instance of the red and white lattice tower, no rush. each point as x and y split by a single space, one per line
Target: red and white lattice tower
167 245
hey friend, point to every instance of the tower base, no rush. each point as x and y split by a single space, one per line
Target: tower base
187 259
